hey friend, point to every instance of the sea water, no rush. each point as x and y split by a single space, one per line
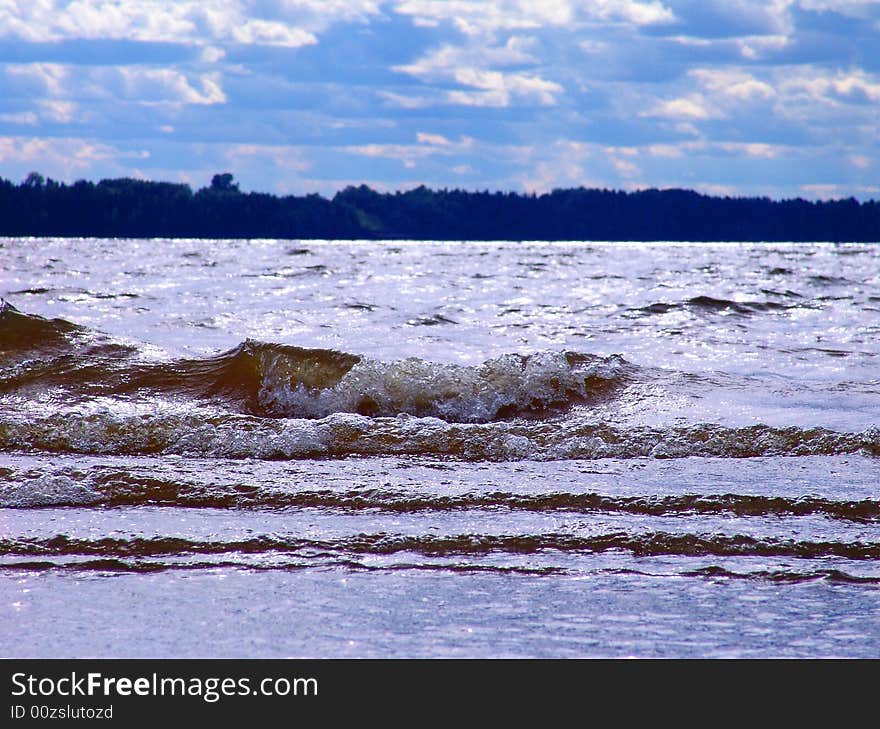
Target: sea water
400 449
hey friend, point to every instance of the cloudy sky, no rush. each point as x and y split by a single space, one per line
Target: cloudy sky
777 98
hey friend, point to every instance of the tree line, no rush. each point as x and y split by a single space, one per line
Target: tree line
144 209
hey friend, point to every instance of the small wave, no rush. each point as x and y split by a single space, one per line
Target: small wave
25 335
37 354
822 280
239 376
345 434
36 291
509 386
641 545
47 490
787 294
431 321
786 576
711 305
119 488
289 564
277 380
293 382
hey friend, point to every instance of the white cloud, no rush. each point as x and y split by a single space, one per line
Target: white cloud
28 118
733 83
38 79
687 128
496 89
404 101
290 23
722 93
667 151
473 17
317 15
516 51
755 150
622 151
286 158
625 167
639 13
212 55
58 111
167 85
467 66
437 140
447 62
264 32
593 46
556 174
716 189
754 48
855 83
693 106
822 191
768 17
57 157
52 86
852 8
831 87
51 20
691 41
428 145
557 165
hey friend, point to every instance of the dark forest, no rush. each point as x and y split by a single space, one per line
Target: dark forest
143 209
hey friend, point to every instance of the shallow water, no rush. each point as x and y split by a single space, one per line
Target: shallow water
300 448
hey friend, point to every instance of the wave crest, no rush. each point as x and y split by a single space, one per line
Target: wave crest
23 335
277 380
509 386
346 434
274 380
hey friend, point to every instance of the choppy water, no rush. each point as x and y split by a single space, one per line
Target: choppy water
264 448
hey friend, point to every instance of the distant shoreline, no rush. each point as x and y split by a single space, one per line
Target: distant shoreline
128 208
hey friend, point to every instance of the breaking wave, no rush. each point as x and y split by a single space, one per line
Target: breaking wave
509 386
285 402
117 488
347 434
275 380
23 335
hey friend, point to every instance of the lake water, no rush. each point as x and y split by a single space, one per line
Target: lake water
406 449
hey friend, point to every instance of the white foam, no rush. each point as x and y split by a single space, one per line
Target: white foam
47 490
348 434
510 384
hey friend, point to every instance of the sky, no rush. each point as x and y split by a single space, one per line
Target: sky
779 98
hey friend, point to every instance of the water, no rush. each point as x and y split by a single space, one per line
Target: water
324 449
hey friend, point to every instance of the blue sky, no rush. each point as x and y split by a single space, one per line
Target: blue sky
778 98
